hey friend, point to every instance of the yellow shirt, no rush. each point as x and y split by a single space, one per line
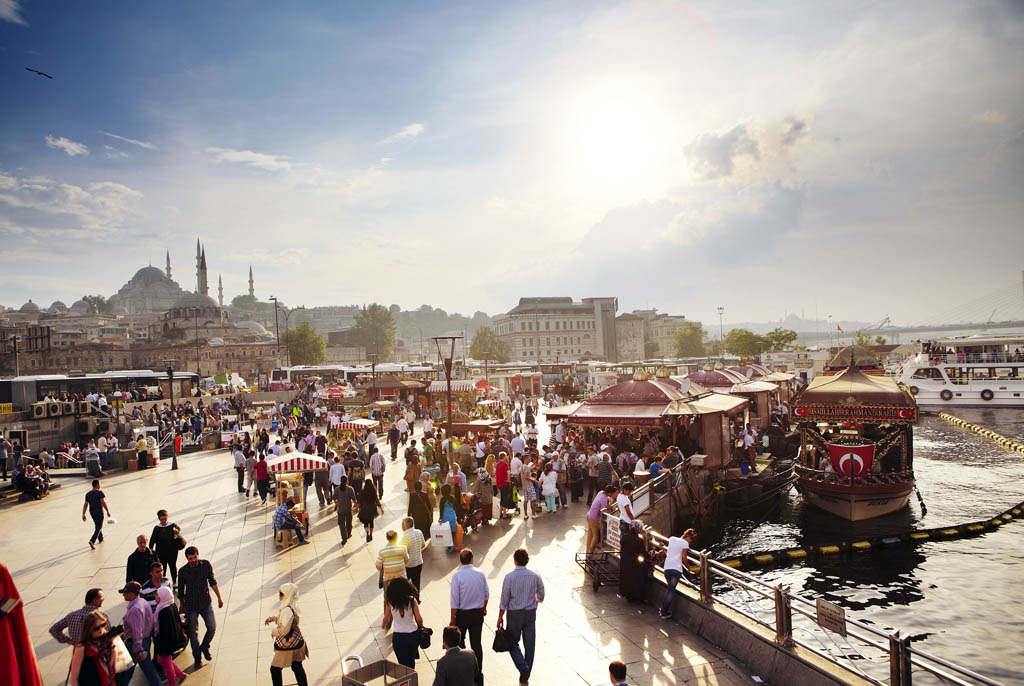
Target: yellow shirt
141 445
393 557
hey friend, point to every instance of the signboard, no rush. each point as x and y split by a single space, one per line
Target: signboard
6 408
611 532
225 438
847 413
831 617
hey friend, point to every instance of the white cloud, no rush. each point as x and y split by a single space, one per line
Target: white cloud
408 131
142 144
113 153
259 160
994 117
72 148
714 155
10 10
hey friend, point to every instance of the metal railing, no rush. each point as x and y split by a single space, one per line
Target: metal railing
974 358
862 650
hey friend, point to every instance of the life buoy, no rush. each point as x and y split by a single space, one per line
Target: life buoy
946 394
914 390
987 395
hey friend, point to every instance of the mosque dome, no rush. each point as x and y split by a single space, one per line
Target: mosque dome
147 276
255 328
30 306
58 306
80 307
194 301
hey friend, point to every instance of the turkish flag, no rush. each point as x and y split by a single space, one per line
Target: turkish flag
851 459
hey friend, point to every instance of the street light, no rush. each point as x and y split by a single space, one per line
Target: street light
174 443
199 373
447 356
277 329
373 373
721 334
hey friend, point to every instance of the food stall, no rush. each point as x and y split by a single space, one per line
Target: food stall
288 471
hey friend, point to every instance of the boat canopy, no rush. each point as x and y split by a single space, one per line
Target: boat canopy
853 396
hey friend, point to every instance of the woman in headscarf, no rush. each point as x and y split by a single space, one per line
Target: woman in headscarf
402 612
369 507
483 489
289 645
451 510
92 662
428 490
168 634
420 510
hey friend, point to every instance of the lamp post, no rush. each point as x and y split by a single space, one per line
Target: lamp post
17 362
447 356
199 372
174 443
277 330
373 372
721 334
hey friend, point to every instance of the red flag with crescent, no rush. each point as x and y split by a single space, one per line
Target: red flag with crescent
851 459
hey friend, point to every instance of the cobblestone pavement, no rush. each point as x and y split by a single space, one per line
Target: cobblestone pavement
579 630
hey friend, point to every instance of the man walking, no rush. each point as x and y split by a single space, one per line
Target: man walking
521 590
139 562
240 467
469 596
95 503
394 437
138 634
69 628
195 580
377 467
344 496
334 476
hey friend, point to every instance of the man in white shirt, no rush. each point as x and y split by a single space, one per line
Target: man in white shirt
428 427
625 504
334 474
240 468
403 430
675 567
518 445
516 468
371 439
531 434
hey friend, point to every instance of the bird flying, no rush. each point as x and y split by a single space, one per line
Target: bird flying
36 71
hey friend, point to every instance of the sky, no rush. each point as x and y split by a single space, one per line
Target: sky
857 159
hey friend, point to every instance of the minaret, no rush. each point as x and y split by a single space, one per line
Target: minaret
252 289
168 264
220 290
204 287
199 267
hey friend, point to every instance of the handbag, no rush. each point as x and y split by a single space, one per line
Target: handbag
500 644
179 540
425 634
441 534
380 579
122 658
293 639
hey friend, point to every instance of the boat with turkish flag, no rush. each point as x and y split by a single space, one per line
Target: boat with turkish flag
856 441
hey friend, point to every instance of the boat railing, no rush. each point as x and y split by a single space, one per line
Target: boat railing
870 479
656 489
797 620
974 358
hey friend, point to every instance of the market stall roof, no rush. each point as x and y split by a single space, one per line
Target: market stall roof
460 386
387 383
707 404
780 377
382 404
649 391
562 411
477 426
360 423
636 414
489 401
852 395
296 462
750 371
716 378
754 387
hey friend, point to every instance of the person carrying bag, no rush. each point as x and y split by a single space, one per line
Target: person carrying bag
290 647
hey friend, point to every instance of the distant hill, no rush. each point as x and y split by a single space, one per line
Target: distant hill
427 321
794 323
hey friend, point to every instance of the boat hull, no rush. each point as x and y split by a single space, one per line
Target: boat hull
856 503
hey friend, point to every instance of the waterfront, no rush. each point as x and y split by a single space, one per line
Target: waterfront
953 597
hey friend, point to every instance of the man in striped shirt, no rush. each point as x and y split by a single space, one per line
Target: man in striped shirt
392 557
69 628
521 590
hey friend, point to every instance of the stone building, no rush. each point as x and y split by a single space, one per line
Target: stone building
553 329
629 337
150 290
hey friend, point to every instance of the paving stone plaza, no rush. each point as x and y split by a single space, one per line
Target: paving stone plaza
579 631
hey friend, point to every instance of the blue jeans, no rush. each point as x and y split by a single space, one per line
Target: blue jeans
147 667
522 622
192 629
561 493
672 577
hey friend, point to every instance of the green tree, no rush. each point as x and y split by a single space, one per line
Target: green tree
879 340
745 343
305 345
374 330
780 339
486 345
98 304
688 341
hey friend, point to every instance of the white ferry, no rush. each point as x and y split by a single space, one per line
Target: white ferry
982 370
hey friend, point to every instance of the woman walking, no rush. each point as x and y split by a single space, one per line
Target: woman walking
165 541
549 487
529 489
420 509
402 612
369 507
289 645
169 635
92 662
450 510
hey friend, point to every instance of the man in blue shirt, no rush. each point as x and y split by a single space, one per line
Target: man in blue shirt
521 590
283 519
469 596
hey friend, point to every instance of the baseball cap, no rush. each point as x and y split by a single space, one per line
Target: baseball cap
131 587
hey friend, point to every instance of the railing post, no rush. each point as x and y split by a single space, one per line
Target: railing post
899 660
783 617
705 579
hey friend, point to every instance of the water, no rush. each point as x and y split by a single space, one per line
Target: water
960 599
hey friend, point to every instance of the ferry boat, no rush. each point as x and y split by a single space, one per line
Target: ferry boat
970 371
856 456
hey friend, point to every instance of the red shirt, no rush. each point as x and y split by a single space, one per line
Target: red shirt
501 471
259 470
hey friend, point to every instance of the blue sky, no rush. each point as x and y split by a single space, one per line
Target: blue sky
861 158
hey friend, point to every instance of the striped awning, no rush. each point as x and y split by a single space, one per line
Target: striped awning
358 424
296 462
460 386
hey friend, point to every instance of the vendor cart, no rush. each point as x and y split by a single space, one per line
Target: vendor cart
288 471
599 568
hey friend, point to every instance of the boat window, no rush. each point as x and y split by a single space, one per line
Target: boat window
927 373
981 372
1004 372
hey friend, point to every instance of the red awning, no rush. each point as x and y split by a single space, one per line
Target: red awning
624 415
296 462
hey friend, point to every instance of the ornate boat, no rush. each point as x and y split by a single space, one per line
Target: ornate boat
856 455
